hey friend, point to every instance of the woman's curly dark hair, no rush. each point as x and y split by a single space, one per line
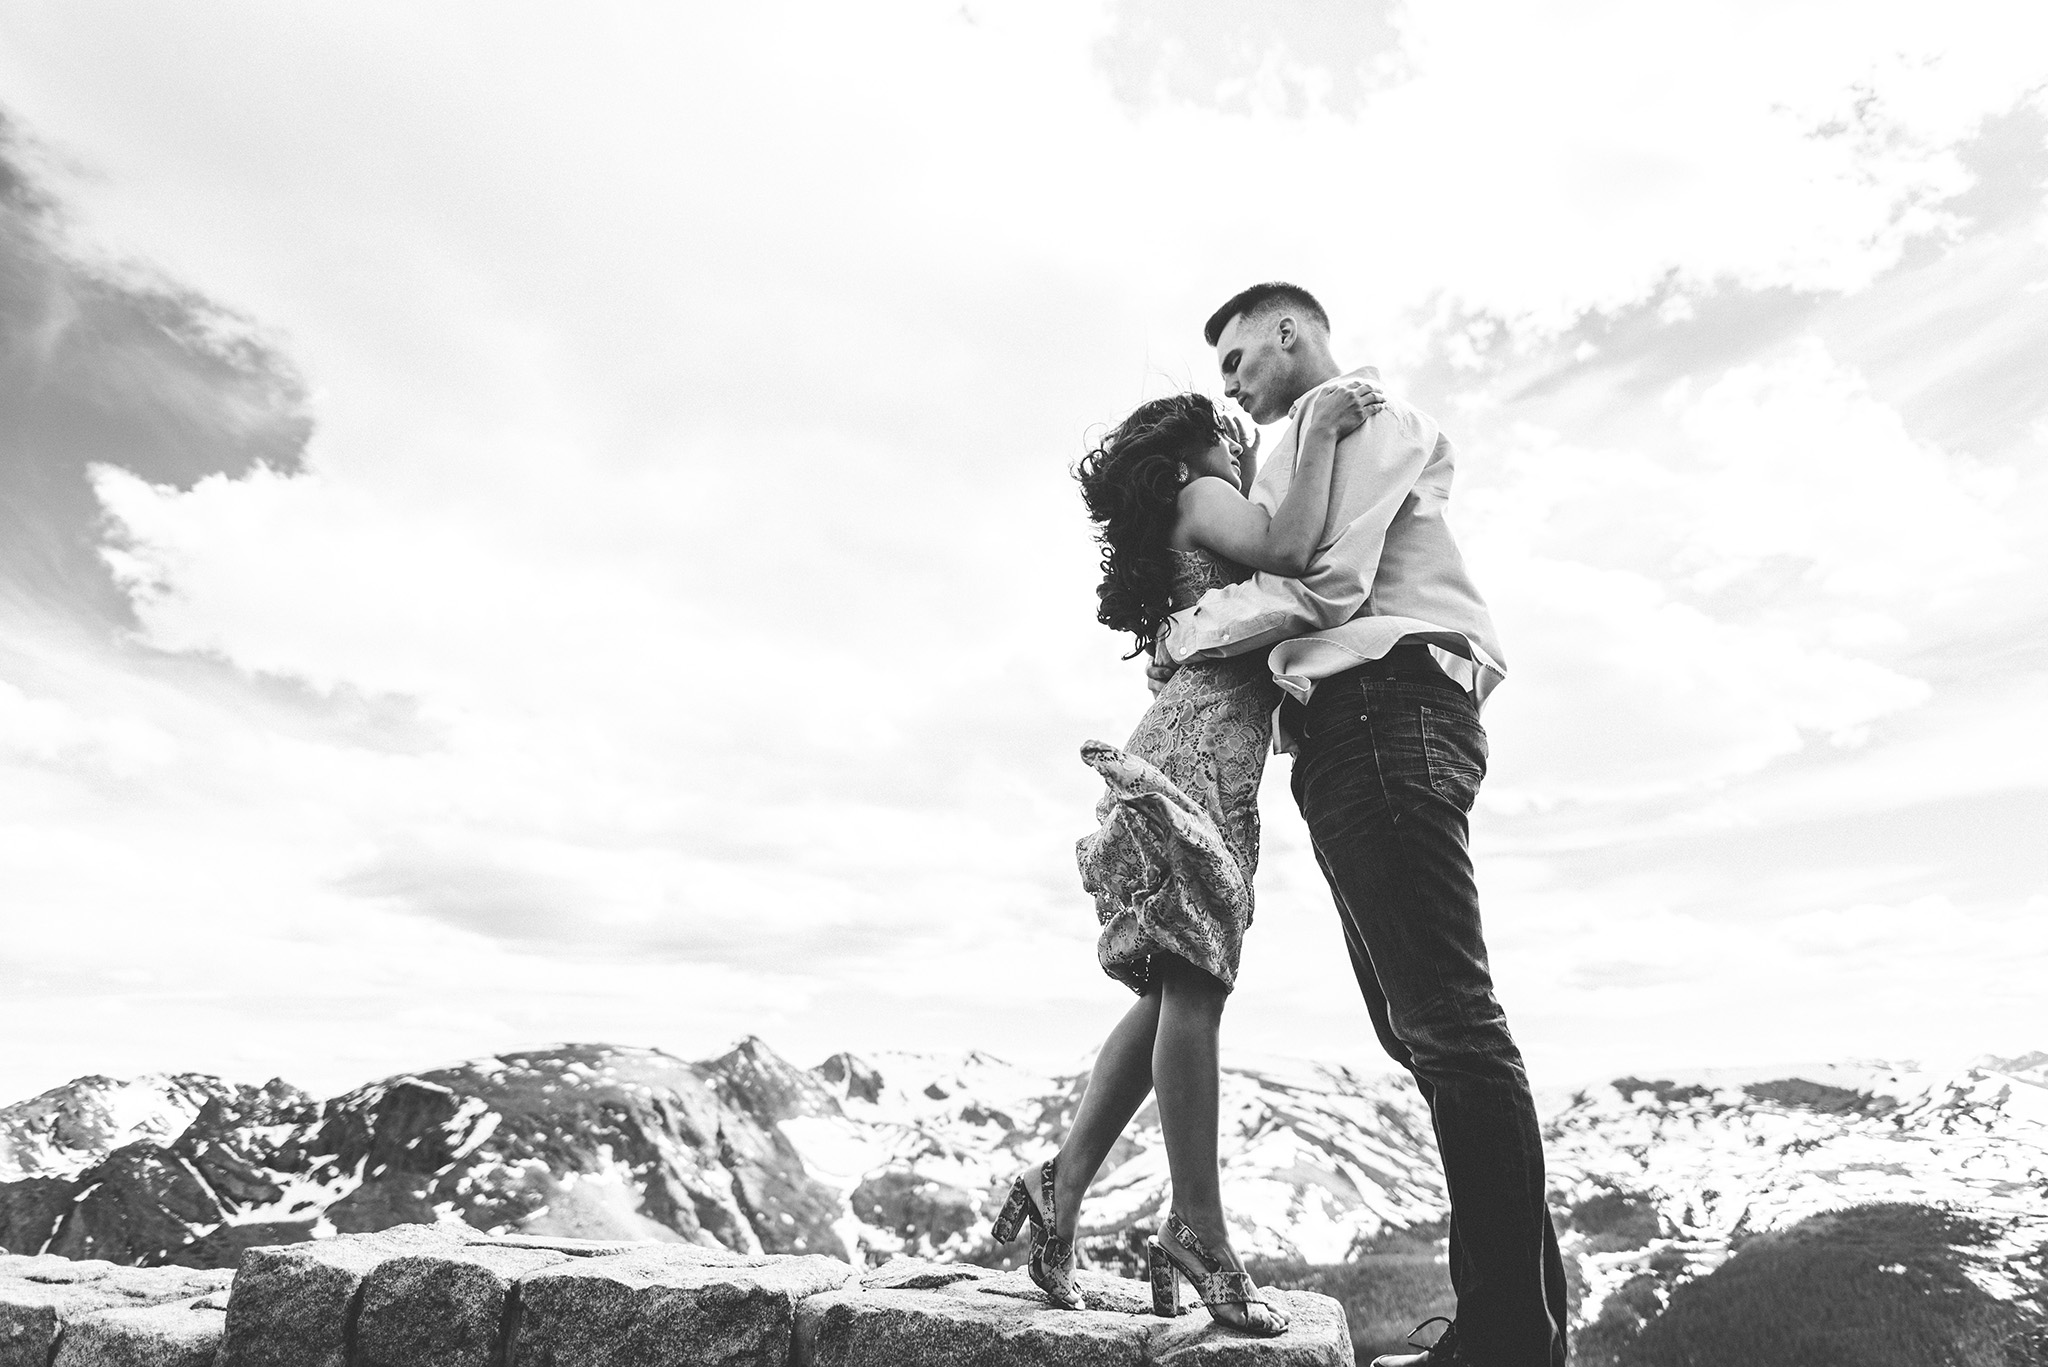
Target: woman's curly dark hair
1131 481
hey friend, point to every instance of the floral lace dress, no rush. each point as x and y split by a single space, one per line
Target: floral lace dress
1171 863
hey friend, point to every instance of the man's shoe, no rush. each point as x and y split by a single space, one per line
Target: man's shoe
1442 1353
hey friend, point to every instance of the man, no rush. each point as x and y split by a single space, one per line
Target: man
1386 651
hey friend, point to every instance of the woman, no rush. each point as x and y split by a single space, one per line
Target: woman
1171 865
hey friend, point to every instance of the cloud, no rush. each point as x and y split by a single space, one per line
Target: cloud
1805 461
1326 55
1627 694
102 362
681 621
1736 579
1903 978
1774 513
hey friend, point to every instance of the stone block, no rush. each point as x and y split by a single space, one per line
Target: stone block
906 1312
998 1320
294 1304
444 1307
41 1296
181 1334
1317 1336
668 1305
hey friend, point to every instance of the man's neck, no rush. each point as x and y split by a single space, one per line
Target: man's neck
1319 370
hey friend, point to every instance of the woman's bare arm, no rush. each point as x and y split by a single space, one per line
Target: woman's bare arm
1215 517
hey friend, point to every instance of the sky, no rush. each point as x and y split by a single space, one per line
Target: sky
521 525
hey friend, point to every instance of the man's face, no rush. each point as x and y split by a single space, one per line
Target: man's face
1257 369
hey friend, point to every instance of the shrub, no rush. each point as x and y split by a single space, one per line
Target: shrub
1614 1219
1665 1090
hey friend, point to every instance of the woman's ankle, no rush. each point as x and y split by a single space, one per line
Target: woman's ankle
1067 1196
1214 1232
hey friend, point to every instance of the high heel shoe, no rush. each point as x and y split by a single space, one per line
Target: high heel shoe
1052 1261
1183 1255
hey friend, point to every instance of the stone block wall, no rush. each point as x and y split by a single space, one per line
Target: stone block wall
90 1313
443 1296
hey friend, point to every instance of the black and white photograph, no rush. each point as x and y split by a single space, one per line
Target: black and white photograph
1290 684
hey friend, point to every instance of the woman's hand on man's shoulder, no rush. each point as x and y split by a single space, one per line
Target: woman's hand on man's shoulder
1343 405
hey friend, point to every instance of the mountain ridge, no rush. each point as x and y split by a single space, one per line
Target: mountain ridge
1655 1181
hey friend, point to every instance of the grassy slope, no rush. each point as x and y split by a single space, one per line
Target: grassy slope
1385 1291
1874 1286
1384 1295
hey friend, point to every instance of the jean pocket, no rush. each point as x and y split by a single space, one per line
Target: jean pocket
1454 747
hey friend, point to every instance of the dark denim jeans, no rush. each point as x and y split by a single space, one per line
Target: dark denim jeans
1390 758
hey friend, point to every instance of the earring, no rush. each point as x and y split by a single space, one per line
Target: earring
1183 468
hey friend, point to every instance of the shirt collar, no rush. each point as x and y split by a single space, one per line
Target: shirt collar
1369 372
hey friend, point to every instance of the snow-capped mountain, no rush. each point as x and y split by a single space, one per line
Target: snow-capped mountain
1731 1158
1674 1173
68 1129
907 1152
862 1158
1316 1160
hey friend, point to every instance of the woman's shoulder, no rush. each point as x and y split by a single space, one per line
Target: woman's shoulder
1206 497
1197 506
1203 488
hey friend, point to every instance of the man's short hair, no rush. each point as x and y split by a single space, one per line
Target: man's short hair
1270 297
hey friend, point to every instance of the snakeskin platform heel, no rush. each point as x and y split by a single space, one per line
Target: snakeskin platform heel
1051 1264
1184 1256
1009 1221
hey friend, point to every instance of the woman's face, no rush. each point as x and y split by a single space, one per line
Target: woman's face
1220 460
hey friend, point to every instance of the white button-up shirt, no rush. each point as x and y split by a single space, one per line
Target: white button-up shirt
1386 571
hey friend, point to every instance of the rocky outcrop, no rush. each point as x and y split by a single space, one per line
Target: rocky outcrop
225 1246
758 1081
66 1130
246 1146
915 1207
142 1196
851 1077
31 1208
132 1172
580 1141
444 1296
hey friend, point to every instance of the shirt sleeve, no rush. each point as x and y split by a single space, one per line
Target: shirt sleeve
1377 468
